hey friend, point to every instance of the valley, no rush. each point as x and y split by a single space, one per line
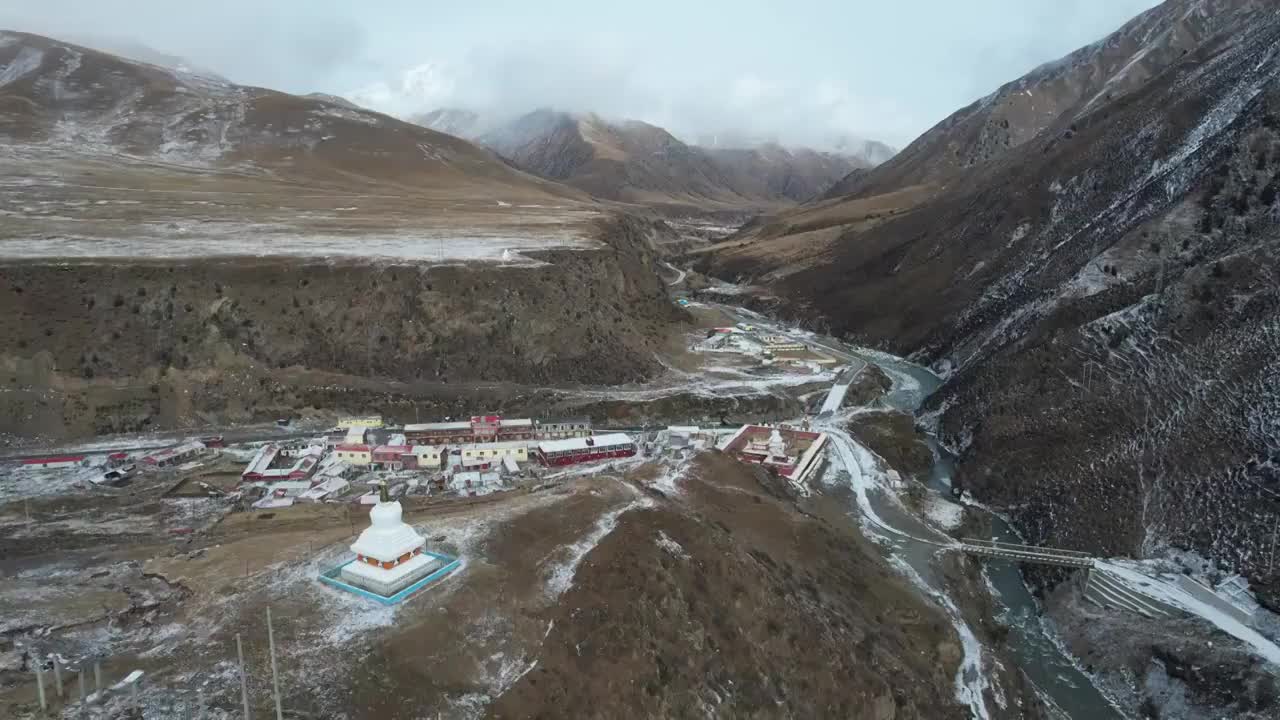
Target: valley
1098 294
641 164
983 428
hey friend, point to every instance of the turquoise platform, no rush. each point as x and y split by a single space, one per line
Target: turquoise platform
332 577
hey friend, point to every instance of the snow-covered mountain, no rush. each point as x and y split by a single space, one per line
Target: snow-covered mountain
427 94
639 162
137 51
468 124
868 153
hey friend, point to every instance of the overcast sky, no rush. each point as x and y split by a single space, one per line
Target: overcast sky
797 70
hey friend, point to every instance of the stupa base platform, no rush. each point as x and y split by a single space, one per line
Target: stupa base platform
436 567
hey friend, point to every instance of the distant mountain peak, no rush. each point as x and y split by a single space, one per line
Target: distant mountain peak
637 161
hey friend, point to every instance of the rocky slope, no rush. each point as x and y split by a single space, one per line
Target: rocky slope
99 347
746 606
179 251
66 98
1103 291
1052 98
641 163
1067 89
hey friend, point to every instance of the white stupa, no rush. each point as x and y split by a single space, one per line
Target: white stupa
389 553
777 446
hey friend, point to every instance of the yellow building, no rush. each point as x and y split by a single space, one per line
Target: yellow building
354 454
371 421
485 453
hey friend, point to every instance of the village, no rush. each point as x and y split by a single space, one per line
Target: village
476 456
385 508
472 456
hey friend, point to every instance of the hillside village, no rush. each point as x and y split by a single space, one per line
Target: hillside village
481 455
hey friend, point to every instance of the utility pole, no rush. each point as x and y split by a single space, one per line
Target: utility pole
44 705
244 679
57 676
275 678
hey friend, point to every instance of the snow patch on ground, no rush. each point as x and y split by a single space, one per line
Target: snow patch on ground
947 515
1135 575
864 474
835 398
27 60
245 240
667 479
971 681
665 542
560 575
21 481
1090 281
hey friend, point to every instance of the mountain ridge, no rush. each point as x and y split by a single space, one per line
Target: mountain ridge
635 161
82 101
1064 263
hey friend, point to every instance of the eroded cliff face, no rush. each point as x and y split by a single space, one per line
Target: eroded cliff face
95 347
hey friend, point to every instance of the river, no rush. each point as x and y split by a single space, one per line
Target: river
1052 671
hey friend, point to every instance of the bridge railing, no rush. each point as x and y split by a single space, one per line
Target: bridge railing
1020 548
1027 553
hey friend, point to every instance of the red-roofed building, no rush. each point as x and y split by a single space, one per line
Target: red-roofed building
577 450
480 428
390 457
51 463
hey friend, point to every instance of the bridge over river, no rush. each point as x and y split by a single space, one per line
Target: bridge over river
1031 554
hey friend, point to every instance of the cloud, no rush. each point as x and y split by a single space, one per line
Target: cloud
801 71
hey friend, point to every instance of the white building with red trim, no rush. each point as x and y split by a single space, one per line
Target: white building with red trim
358 454
479 429
267 466
578 450
53 463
